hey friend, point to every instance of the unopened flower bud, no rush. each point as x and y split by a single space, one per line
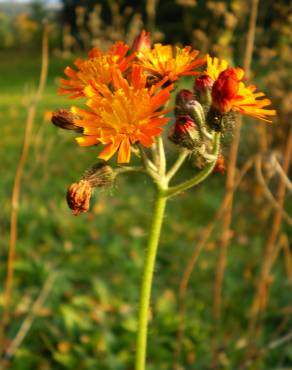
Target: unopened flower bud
187 105
196 112
100 175
78 196
185 133
220 164
65 119
142 41
202 88
225 89
183 97
79 193
203 82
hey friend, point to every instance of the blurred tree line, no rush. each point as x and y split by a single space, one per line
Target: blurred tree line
217 27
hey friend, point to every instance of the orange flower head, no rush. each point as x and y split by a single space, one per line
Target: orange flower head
98 68
229 92
123 115
142 41
161 61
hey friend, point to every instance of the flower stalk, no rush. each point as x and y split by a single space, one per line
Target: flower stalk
154 236
162 194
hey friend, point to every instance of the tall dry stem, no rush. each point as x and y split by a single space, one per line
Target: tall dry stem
262 292
184 283
28 321
151 14
231 170
287 257
31 112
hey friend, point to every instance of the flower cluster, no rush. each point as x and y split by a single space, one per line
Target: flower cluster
97 68
219 92
126 91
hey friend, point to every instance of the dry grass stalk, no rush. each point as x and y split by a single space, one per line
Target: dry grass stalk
31 112
42 150
151 14
282 174
273 344
267 192
206 233
262 138
262 292
287 257
231 170
28 321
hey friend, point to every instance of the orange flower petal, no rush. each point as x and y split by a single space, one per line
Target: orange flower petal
87 140
109 150
124 153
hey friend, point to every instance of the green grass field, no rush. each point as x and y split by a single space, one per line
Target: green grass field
89 318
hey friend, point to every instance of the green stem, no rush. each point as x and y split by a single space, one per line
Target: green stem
158 213
149 166
201 176
162 158
178 163
125 169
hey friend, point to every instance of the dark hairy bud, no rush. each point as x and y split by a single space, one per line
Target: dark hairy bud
185 133
99 175
64 119
220 122
215 119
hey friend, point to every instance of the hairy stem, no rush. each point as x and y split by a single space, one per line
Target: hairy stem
162 158
158 213
148 165
125 169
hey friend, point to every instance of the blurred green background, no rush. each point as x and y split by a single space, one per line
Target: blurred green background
89 318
